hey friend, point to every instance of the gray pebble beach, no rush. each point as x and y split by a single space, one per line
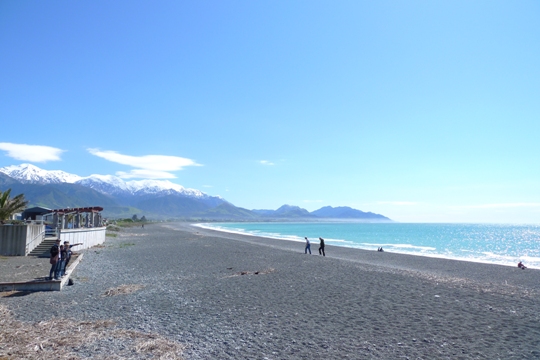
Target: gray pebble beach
228 296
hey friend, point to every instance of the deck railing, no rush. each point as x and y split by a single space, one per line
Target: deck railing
51 232
31 245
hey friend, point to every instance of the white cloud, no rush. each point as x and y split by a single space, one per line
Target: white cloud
148 162
147 166
266 162
145 174
32 153
398 203
499 206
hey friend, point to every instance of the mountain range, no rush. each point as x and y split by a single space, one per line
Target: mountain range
158 199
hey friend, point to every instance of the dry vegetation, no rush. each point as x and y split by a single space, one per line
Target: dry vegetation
260 272
70 339
122 290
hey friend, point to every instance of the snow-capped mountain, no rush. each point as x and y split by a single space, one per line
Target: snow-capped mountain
157 198
109 184
30 174
160 186
106 184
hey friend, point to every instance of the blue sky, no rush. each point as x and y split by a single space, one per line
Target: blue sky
422 111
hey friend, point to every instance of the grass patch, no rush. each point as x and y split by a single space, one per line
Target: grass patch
64 338
113 228
128 223
111 235
125 245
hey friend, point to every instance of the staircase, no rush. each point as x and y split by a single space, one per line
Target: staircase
43 249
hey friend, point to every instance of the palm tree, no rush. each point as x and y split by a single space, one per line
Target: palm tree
9 206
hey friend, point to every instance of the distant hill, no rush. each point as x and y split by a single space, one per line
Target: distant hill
345 212
327 212
6 181
263 212
58 196
229 212
172 205
285 211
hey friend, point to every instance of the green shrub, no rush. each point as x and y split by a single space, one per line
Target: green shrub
113 228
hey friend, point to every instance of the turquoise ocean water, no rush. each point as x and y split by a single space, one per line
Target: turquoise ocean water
486 243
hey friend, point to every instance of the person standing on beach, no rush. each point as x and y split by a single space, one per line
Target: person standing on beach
321 247
61 262
308 247
69 253
55 253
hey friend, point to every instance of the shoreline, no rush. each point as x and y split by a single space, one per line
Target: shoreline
208 226
227 296
440 268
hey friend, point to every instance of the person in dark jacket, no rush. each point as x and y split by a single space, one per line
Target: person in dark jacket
69 253
63 256
55 254
321 247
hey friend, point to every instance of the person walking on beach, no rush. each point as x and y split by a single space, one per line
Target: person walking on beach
321 247
308 246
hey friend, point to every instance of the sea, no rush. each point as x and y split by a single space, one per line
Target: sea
483 243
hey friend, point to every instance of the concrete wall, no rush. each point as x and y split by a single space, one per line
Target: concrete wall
18 240
47 285
87 236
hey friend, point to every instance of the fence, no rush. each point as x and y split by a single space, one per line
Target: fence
88 237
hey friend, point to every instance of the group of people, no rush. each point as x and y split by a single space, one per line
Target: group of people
321 247
308 246
379 249
60 257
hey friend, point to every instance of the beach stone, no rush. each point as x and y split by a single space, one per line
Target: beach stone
348 305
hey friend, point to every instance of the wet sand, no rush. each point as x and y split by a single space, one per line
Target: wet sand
230 296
